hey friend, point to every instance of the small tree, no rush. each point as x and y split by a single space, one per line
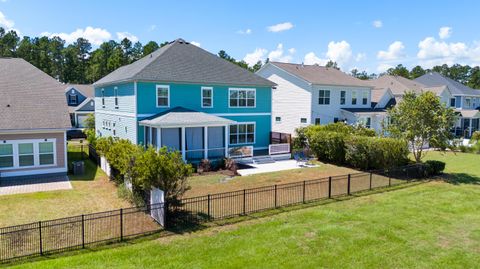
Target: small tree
90 129
421 119
162 169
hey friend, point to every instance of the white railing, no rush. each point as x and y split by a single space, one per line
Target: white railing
278 149
240 152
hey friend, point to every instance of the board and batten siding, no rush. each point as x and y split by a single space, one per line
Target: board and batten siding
291 100
60 153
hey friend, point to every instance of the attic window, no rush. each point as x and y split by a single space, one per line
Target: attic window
72 99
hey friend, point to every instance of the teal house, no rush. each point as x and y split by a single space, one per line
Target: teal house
186 99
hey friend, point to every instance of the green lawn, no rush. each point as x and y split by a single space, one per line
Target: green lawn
427 225
91 192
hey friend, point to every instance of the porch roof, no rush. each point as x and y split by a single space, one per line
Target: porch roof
183 117
469 113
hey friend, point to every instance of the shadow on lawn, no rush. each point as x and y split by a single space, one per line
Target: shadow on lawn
90 167
461 178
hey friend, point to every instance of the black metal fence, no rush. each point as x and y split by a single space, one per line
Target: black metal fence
76 232
243 202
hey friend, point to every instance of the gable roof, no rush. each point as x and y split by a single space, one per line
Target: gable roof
88 105
397 84
180 61
86 89
29 98
456 88
320 75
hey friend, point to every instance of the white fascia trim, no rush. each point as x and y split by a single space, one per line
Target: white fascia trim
39 131
116 113
34 172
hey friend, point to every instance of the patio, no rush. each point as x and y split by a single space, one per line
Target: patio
32 184
276 166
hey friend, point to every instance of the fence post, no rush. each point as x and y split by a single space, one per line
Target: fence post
121 224
208 206
370 180
329 187
40 233
244 201
275 195
83 231
348 185
304 191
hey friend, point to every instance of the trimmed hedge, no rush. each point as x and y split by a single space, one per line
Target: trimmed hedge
362 152
434 168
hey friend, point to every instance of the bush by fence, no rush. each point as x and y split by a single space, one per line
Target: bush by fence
77 232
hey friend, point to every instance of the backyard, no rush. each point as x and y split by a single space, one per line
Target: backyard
433 224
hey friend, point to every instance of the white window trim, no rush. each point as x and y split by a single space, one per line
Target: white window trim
356 98
242 89
344 98
115 97
324 97
365 96
103 98
211 97
246 143
156 94
36 153
279 121
70 99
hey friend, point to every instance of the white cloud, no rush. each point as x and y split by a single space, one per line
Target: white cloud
280 27
377 24
394 52
152 27
257 55
131 37
433 52
279 55
244 32
196 43
445 32
6 23
311 58
96 36
360 57
339 52
383 67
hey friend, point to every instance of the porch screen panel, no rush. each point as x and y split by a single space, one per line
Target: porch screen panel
154 137
216 137
194 138
171 138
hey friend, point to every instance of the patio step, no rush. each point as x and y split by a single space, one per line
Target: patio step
263 159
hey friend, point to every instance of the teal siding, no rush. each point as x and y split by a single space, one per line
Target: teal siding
126 98
262 129
189 96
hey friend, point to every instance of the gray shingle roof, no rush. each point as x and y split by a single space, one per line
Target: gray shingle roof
398 85
86 89
456 88
181 61
29 98
321 75
180 116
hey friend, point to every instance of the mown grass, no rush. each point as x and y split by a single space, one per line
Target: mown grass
430 225
92 192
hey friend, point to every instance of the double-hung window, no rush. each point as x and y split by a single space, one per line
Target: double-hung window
343 97
115 93
25 154
242 133
6 155
72 99
207 97
452 102
354 97
368 122
323 97
103 97
163 96
364 97
46 153
468 102
242 97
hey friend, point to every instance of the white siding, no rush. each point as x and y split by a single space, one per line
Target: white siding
120 123
291 100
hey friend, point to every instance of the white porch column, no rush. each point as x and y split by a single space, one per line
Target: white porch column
205 142
184 152
149 135
226 140
470 128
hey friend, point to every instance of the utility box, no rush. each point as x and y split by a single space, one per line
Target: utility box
78 167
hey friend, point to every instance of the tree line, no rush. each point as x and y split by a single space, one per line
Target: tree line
80 63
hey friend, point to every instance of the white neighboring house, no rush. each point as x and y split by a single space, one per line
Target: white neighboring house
313 94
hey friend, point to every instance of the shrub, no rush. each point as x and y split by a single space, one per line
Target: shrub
328 146
133 197
434 167
204 166
465 149
475 137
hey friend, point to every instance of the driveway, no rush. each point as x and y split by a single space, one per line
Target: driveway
34 184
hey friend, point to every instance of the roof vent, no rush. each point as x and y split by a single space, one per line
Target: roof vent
8 105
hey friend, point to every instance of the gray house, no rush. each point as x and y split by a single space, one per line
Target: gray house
33 122
81 103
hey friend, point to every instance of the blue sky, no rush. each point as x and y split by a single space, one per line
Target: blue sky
368 35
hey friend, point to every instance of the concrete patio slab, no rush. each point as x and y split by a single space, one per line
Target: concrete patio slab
34 184
271 167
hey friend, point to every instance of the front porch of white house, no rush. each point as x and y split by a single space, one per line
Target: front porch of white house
196 135
467 123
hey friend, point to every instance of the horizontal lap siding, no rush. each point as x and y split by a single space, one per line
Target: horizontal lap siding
60 148
120 123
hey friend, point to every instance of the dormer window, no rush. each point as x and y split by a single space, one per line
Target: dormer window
72 99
